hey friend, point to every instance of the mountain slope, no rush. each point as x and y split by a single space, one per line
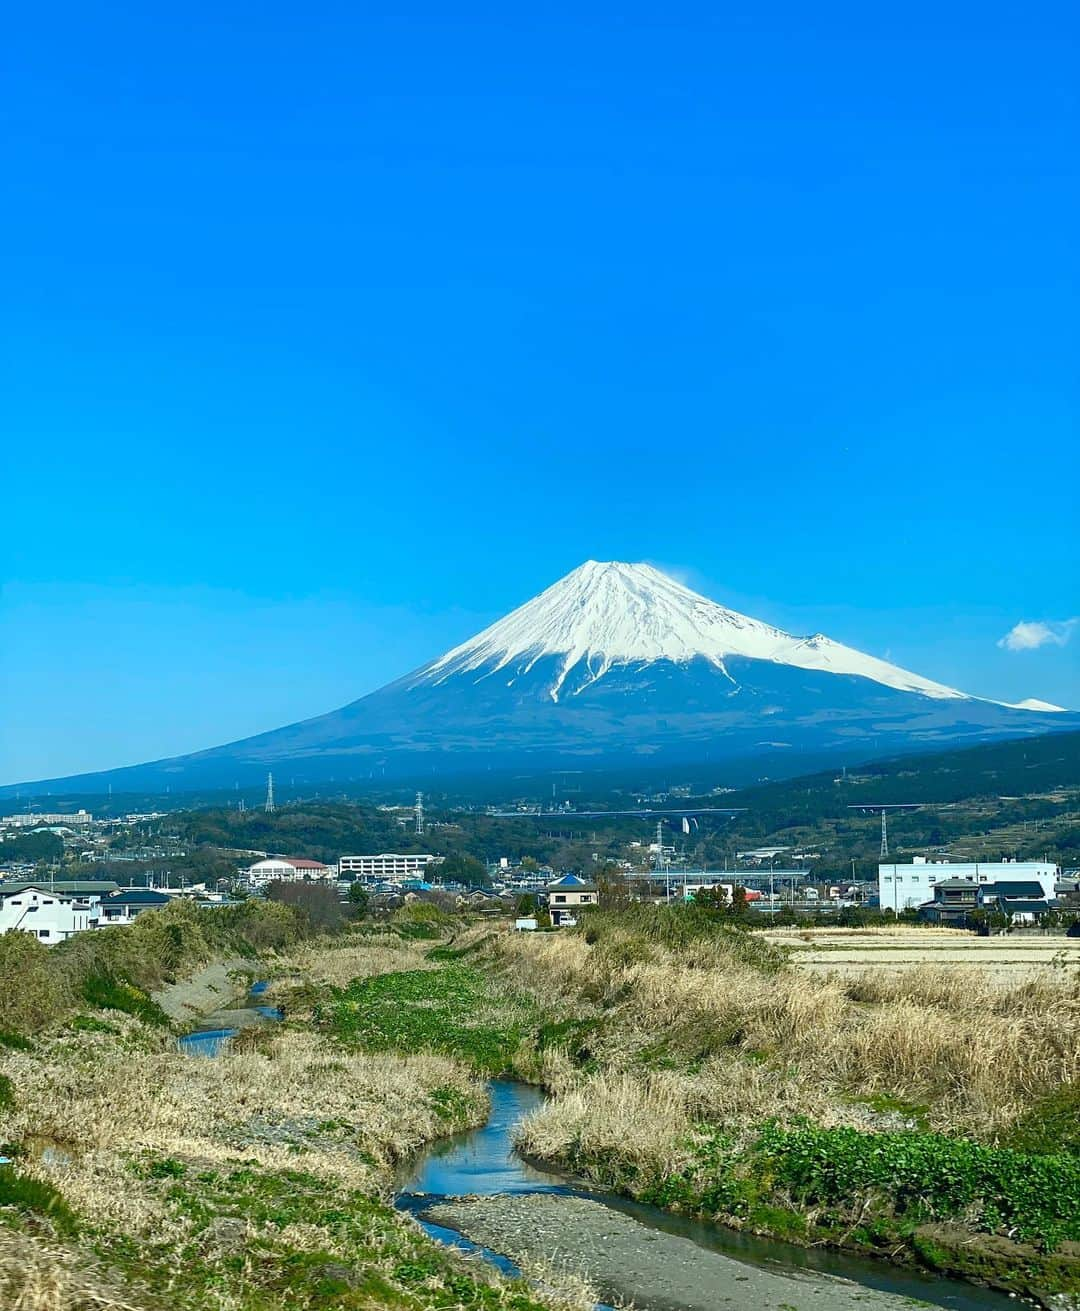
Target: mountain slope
613 664
603 615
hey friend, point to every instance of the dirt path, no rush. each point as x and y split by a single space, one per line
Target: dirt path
629 1262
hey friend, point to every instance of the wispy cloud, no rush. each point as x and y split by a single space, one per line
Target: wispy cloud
1029 636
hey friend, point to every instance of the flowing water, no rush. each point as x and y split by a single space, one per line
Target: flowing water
216 1029
483 1162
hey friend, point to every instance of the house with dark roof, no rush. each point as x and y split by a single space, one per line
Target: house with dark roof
129 903
1022 901
566 896
954 902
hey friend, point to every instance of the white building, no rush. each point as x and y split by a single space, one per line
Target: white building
903 887
43 821
291 869
49 916
389 867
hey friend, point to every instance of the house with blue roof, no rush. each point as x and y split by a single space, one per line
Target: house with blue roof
566 897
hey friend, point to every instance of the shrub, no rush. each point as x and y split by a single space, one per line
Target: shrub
31 995
113 994
319 905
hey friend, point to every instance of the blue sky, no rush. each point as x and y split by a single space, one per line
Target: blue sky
334 332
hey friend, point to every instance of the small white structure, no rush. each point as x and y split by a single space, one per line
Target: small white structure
49 916
903 887
291 869
526 924
387 867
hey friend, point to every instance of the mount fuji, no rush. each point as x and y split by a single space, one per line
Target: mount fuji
613 665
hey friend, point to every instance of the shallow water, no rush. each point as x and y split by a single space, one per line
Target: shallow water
220 1026
483 1162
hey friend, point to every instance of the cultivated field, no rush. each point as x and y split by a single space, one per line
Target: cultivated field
1000 960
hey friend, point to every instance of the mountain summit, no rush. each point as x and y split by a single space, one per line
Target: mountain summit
614 665
607 614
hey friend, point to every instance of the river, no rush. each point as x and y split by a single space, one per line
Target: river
474 1191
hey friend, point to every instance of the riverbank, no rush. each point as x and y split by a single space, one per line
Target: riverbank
147 1179
916 1118
627 1262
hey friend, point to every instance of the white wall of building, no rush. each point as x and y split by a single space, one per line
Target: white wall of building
388 867
49 916
905 886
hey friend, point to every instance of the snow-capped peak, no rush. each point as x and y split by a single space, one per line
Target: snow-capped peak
606 614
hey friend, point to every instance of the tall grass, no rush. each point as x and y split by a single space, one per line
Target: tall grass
743 1036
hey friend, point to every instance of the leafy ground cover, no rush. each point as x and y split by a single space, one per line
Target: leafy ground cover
454 1009
911 1179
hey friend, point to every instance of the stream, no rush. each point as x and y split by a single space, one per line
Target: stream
474 1192
473 1189
215 1029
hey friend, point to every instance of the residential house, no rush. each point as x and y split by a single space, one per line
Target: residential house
49 915
567 896
1022 901
954 902
124 906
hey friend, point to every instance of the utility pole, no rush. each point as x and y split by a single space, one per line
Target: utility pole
419 812
270 807
884 835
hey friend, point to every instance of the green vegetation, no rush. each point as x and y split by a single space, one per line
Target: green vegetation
927 1176
1052 1124
112 994
454 1010
33 1197
117 968
33 846
358 1254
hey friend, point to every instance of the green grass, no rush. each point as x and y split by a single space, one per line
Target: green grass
454 1010
1052 1124
366 1255
32 1197
7 1093
897 1181
113 994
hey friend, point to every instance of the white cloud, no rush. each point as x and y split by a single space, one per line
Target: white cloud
1029 636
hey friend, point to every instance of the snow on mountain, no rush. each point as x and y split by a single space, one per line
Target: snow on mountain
604 615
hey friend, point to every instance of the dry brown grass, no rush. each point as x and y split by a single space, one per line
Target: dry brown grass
38 1275
338 962
744 1045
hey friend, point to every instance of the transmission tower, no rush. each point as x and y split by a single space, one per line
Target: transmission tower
419 812
659 844
884 835
270 807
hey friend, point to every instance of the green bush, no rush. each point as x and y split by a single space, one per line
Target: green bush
7 1093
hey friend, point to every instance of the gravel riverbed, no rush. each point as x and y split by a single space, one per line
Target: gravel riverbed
628 1262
